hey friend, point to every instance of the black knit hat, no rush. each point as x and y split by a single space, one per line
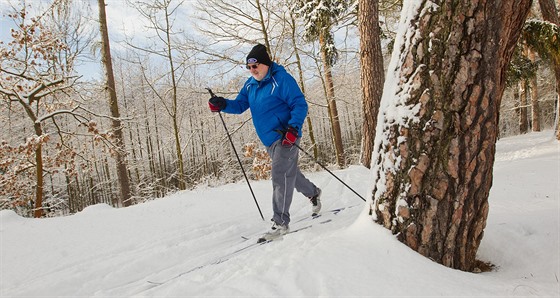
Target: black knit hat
259 55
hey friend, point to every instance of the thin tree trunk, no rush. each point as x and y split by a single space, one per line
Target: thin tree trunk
40 183
302 86
517 103
372 73
120 151
162 166
333 110
131 137
263 27
174 116
39 170
535 107
523 94
149 143
70 191
108 195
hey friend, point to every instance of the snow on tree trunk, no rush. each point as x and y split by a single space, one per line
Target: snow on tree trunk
438 124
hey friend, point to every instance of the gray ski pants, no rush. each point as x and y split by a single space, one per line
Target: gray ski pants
285 177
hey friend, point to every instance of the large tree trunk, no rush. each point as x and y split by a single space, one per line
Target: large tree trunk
372 76
550 14
439 121
120 151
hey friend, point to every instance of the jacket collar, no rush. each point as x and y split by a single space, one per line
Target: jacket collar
273 69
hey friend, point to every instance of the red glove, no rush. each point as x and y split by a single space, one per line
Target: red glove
217 104
290 137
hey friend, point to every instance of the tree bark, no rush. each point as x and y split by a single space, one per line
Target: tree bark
120 151
262 23
372 73
535 107
333 110
38 212
433 164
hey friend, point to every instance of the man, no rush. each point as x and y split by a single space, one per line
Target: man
278 108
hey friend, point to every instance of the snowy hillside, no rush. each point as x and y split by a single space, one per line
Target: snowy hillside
182 245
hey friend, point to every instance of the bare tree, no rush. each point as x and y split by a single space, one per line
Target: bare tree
439 120
293 27
320 17
161 15
70 18
120 148
232 24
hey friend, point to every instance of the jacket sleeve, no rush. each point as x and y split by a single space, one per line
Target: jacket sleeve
296 101
240 104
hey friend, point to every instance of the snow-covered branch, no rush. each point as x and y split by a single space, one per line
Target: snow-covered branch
51 115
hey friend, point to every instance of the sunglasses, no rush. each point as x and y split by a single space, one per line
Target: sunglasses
253 66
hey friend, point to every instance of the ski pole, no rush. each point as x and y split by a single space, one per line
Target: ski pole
325 168
237 155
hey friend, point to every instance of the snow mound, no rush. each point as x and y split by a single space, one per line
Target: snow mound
9 216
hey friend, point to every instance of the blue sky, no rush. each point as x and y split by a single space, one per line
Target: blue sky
5 23
123 21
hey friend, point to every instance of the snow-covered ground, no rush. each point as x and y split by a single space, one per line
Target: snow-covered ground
184 240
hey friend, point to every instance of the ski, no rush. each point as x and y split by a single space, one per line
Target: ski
262 240
303 219
334 211
313 216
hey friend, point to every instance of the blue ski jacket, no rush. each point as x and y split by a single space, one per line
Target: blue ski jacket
276 102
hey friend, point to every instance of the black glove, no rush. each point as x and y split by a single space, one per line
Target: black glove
290 136
217 103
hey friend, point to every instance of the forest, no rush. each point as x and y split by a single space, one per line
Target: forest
109 105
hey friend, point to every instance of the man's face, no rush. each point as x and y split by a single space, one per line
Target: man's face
258 70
